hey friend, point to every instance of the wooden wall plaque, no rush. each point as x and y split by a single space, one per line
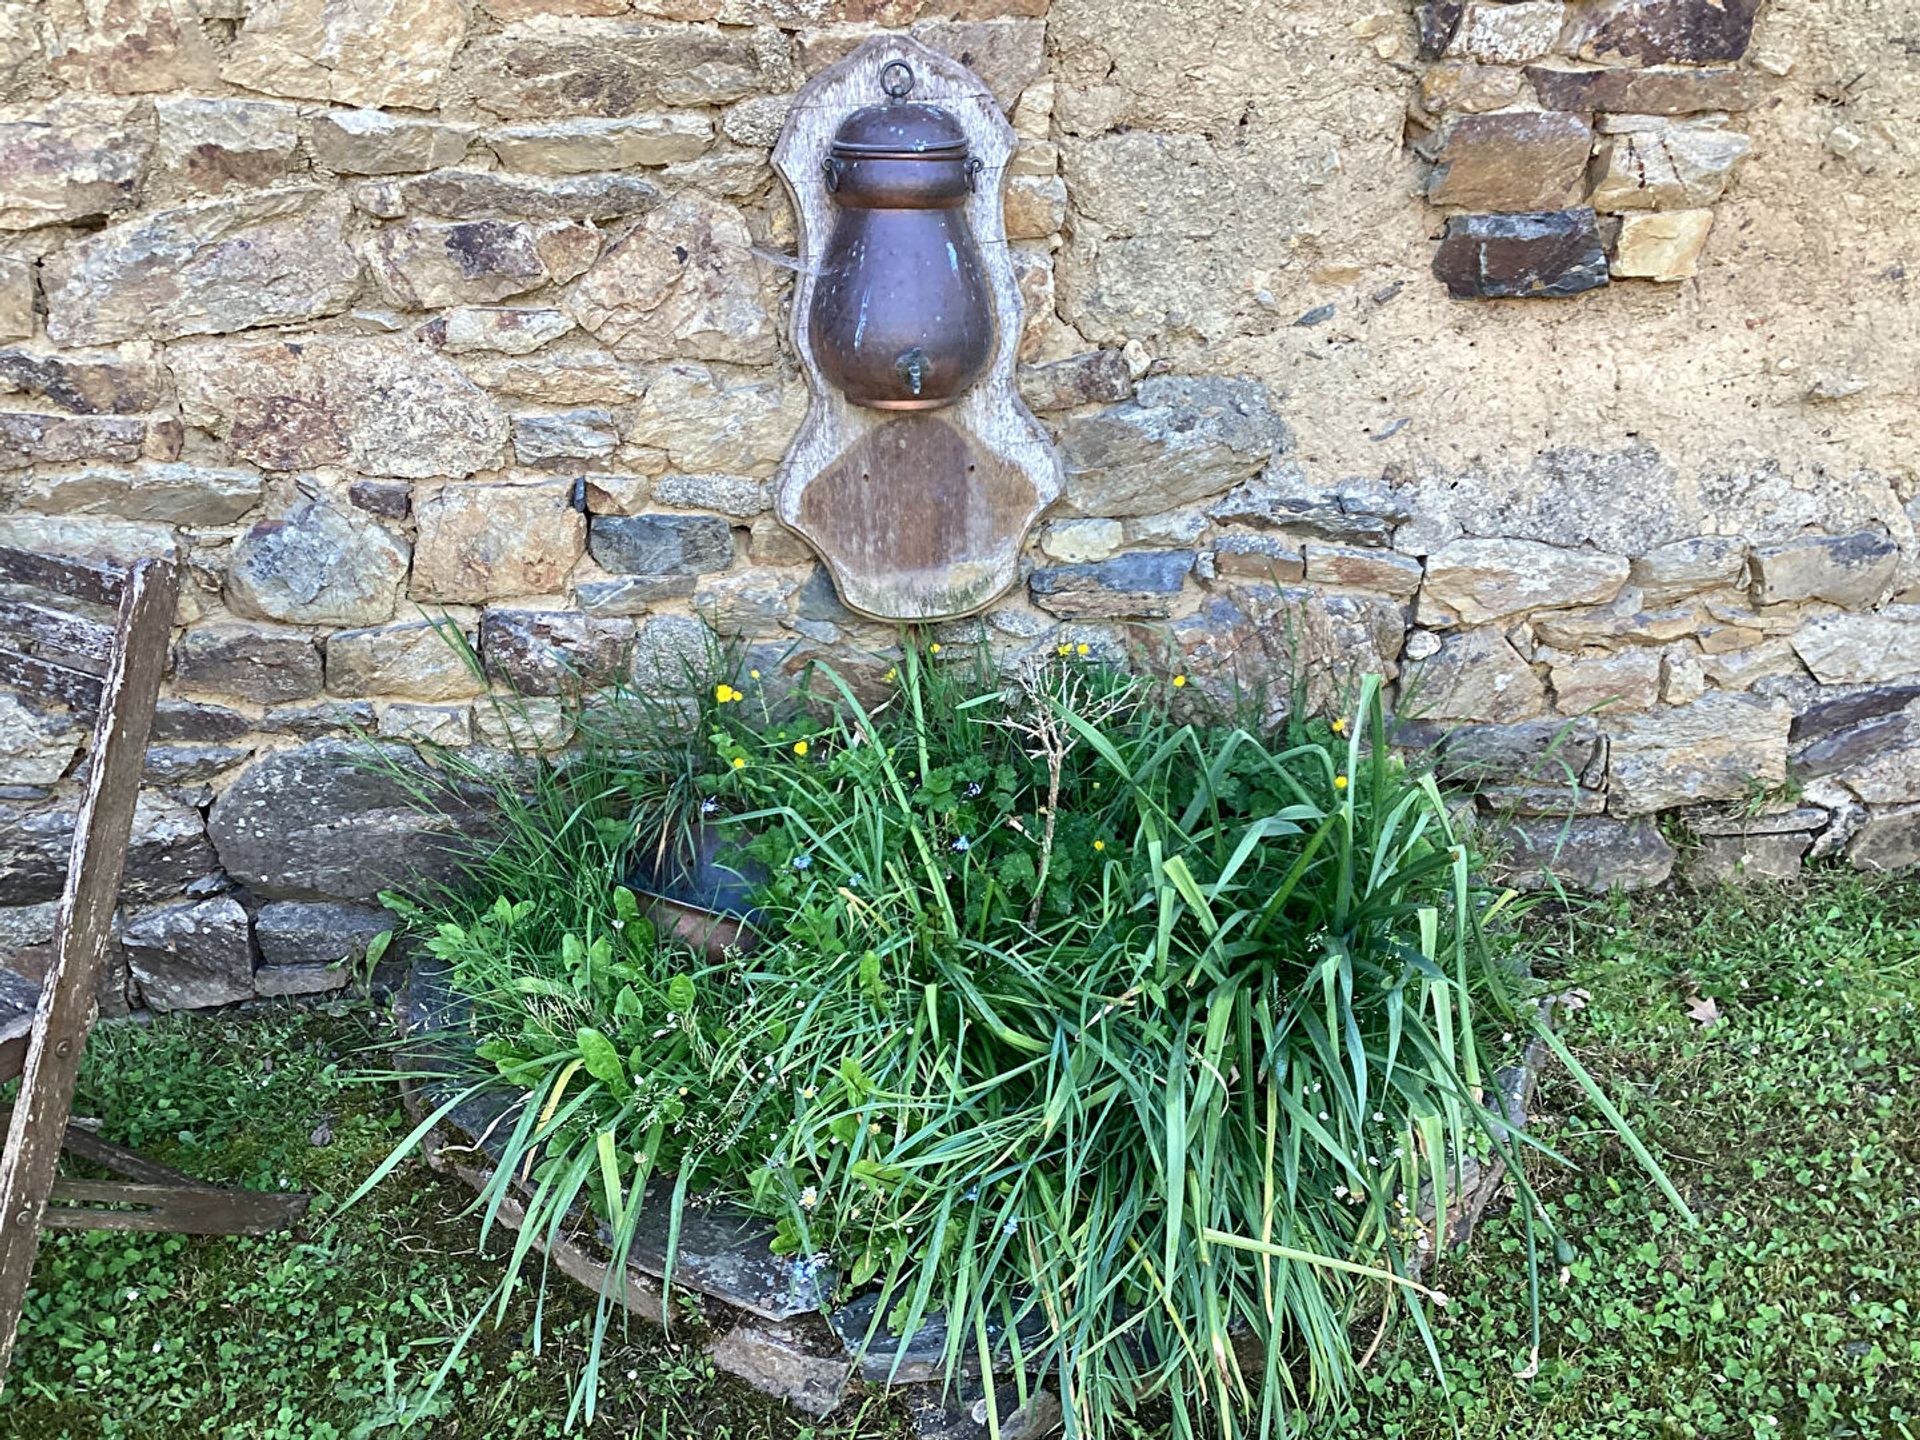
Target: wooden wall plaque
919 515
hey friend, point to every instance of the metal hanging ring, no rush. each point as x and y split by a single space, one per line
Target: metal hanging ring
896 78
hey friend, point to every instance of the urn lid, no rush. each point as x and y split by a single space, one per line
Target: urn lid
900 131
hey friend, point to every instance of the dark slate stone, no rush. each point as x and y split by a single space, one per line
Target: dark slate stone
661 544
1096 378
1589 855
197 722
324 717
553 652
166 851
184 764
190 956
317 932
1831 716
1319 315
1139 583
1846 749
1658 32
818 600
249 661
1533 752
337 819
1541 253
1676 90
1283 499
631 594
1439 20
389 499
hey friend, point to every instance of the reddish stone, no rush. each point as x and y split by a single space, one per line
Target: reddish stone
1544 254
1667 90
1659 32
1511 160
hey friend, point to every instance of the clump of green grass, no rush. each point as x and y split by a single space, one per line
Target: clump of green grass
1128 1039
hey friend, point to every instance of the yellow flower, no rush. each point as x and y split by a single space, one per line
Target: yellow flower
1083 649
799 747
934 649
753 674
1339 782
1099 844
1340 726
739 762
1179 682
723 693
1064 650
891 674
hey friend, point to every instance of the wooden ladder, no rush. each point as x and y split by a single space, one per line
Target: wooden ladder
49 652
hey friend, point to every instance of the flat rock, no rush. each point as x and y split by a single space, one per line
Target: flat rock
1889 840
1468 86
709 419
204 269
684 282
544 67
28 439
1507 32
1363 568
380 406
317 564
190 956
259 663
1718 748
16 298
1659 32
1626 680
167 849
336 819
559 441
1098 377
574 147
1685 567
372 142
352 52
1661 90
171 494
1482 581
484 542
1592 856
1859 649
36 745
800 1361
739 497
72 161
1665 247
218 144
1853 571
190 764
553 652
432 726
82 384
1512 160
426 264
1138 584
1666 165
492 195
661 544
500 329
413 661
1545 254
133 47
1178 440
1476 675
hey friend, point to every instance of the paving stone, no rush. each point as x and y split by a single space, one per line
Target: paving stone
1547 254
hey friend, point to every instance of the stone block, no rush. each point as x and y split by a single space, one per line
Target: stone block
486 542
1853 571
318 719
446 726
204 269
1665 246
1661 32
684 282
178 494
1626 680
750 605
1475 675
382 407
1662 90
1363 568
212 145
1469 87
371 142
500 329
1546 254
556 442
739 497
1507 32
1889 840
1035 206
351 52
1666 165
800 1361
495 195
1860 649
340 820
190 956
264 664
414 661
1877 758
1721 747
580 146
538 70
1593 856
1482 581
1686 567
1555 754
1138 584
661 544
16 298
631 594
1511 160
316 564
712 421
426 264
1082 542
27 439
97 384
37 744
553 652
1098 377
517 723
1738 859
72 161
1180 439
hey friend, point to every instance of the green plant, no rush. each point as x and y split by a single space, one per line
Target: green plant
1139 1044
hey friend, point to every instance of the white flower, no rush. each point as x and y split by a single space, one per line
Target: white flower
809 1197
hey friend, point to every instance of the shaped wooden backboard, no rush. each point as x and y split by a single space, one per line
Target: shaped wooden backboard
918 515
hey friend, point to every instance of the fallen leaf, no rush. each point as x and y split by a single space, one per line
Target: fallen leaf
1703 1010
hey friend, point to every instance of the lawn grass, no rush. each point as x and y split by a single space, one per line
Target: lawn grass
1789 1124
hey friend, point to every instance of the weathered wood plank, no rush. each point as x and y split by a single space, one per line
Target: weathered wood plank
69 575
919 517
38 627
180 1208
30 675
38 1124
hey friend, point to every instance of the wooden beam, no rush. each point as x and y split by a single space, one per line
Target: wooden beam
83 579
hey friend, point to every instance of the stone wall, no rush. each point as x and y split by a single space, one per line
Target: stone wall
378 315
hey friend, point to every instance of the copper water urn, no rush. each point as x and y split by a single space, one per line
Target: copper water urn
901 317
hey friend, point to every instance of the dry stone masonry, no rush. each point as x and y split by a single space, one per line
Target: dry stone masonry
445 345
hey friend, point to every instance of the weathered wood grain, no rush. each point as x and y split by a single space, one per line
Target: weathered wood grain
918 517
